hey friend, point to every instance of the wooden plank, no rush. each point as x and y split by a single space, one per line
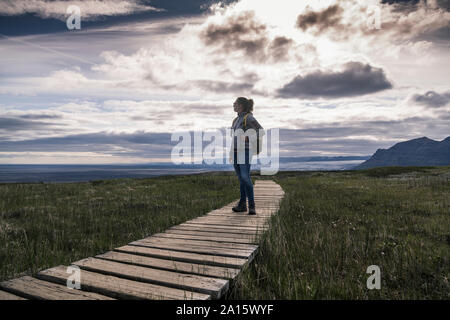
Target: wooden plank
228 224
258 217
263 210
217 248
171 265
207 285
271 202
184 256
202 244
236 217
9 296
120 288
206 225
250 237
205 238
239 216
230 213
33 288
231 221
217 230
243 254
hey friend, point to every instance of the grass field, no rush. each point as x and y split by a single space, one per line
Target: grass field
44 225
331 226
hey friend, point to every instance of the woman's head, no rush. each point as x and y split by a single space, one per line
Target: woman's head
243 105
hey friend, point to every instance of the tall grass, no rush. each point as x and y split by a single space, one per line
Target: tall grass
43 225
332 225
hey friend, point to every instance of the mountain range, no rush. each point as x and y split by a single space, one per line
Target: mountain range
417 152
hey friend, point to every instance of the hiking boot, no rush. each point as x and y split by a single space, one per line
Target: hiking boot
240 207
251 211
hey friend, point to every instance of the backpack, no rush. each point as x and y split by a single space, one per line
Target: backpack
259 139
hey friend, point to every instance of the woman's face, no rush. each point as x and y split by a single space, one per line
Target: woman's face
237 107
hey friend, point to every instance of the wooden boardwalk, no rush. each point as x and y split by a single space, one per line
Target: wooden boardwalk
194 260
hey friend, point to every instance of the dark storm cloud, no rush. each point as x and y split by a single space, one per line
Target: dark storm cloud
222 86
340 137
40 116
95 142
24 123
279 47
445 4
335 138
405 27
207 85
243 33
396 128
321 20
441 33
432 99
31 24
240 32
405 6
411 5
356 79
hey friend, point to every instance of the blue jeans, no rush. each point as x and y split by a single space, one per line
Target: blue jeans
243 173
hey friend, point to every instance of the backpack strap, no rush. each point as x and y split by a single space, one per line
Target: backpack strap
245 120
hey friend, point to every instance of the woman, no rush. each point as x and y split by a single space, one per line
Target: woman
244 121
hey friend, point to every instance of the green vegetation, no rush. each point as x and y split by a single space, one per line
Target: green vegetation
332 225
44 225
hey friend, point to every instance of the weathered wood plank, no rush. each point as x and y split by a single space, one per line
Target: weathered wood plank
230 213
217 230
209 225
232 253
202 244
205 238
9 296
228 262
244 221
171 265
120 288
238 217
212 286
229 224
230 221
223 235
33 288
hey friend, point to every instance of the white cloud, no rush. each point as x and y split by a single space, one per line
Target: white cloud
146 79
183 63
90 9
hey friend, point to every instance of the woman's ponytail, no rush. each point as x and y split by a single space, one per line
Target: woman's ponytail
250 105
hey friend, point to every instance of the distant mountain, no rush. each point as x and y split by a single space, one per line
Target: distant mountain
417 152
322 158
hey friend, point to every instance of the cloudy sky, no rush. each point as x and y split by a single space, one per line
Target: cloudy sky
336 77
